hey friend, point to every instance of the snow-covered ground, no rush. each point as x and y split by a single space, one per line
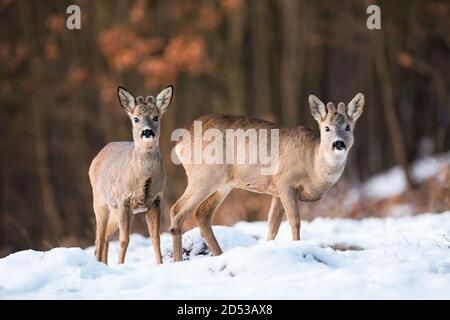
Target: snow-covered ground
392 182
389 258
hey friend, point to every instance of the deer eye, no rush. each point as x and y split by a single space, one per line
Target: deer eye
327 129
155 118
347 128
136 120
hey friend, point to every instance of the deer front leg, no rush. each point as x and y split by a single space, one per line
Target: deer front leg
101 217
110 229
275 216
153 217
125 218
289 201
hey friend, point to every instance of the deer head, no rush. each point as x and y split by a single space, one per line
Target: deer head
336 126
145 114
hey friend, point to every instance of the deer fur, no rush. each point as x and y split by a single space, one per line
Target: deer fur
129 177
309 165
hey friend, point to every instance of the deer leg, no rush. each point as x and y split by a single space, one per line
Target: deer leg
275 216
204 215
101 218
153 217
289 201
110 229
125 218
189 201
105 252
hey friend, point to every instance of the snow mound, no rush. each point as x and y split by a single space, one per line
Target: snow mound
393 181
194 245
140 249
373 258
31 271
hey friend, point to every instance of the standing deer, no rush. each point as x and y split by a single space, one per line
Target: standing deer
128 177
308 166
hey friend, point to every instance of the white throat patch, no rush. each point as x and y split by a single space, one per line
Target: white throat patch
149 139
337 158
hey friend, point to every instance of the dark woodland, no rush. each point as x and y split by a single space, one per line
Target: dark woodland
261 58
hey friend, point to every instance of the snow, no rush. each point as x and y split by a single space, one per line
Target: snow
392 182
389 183
390 258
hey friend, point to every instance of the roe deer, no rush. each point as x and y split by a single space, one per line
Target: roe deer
129 177
307 167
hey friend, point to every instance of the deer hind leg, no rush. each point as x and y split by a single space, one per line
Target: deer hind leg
189 201
110 229
204 215
101 219
275 216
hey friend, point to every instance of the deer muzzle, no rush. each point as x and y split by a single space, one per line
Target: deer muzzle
147 134
339 145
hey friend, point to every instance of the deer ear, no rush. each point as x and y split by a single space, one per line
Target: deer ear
356 106
126 99
317 107
164 98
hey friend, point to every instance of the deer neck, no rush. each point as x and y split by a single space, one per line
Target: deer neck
327 168
143 157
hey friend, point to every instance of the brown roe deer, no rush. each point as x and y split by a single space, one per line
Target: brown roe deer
128 177
308 166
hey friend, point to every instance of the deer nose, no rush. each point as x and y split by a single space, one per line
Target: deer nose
147 133
339 145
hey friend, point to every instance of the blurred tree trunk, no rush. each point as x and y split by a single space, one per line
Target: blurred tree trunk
440 95
291 59
53 224
387 95
43 167
373 159
234 70
2 191
261 37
